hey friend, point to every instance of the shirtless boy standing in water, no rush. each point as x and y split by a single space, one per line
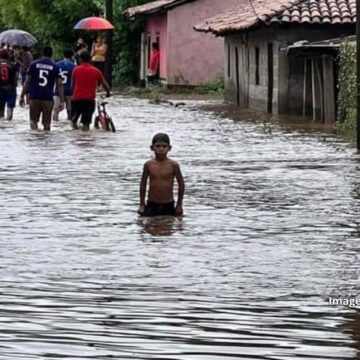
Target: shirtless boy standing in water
161 170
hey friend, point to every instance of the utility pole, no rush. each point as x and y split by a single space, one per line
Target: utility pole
358 73
109 41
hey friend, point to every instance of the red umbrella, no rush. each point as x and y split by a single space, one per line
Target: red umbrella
93 23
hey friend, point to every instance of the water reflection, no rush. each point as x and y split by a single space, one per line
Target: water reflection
351 326
270 231
160 225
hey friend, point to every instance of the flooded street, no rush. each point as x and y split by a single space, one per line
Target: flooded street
271 230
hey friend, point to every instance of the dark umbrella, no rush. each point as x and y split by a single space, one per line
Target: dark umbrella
17 37
93 23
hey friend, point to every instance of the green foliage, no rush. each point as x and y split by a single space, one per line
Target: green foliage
267 128
51 22
215 87
127 39
346 116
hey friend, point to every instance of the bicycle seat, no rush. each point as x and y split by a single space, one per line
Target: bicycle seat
103 103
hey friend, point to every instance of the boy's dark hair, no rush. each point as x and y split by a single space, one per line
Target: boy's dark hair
68 53
155 46
85 56
160 137
48 51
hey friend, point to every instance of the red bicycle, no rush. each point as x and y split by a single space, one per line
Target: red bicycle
103 117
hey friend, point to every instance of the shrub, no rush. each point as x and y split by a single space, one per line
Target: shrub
347 81
215 87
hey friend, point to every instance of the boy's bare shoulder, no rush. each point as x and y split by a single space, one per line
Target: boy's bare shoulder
166 162
148 162
173 162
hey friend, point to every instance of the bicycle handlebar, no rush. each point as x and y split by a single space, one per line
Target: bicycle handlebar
102 95
100 99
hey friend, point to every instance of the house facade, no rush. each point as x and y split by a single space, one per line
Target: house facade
259 73
187 57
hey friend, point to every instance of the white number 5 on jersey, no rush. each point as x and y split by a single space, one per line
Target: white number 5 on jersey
43 77
64 76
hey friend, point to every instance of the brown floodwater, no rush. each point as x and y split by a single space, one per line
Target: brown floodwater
270 232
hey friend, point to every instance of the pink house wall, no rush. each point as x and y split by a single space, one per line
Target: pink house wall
194 57
156 25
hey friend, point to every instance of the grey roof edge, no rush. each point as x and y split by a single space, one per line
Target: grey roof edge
154 10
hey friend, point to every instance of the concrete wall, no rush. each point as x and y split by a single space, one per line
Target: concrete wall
194 57
156 26
288 72
257 94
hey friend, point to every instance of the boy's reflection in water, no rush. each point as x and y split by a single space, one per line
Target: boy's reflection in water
161 225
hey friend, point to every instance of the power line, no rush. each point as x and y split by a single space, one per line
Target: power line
257 16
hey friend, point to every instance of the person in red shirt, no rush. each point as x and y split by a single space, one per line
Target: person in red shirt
8 78
84 80
154 69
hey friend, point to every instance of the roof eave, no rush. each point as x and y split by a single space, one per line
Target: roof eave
229 31
165 7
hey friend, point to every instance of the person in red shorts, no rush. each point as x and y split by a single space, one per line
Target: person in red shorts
85 79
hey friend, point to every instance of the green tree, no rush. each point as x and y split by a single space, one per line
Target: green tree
127 42
51 22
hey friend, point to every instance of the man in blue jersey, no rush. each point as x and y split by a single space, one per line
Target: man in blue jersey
42 76
66 67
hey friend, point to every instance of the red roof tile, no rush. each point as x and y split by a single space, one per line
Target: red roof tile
256 12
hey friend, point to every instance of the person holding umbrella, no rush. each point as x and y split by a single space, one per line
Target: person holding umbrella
43 74
98 53
80 47
24 58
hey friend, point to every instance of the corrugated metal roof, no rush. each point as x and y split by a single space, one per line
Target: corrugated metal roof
256 12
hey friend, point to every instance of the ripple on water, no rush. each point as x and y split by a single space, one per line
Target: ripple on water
270 232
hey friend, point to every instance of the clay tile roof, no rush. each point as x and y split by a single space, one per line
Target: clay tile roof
305 19
247 15
316 20
258 12
152 7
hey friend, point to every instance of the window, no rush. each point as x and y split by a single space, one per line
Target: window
257 66
229 61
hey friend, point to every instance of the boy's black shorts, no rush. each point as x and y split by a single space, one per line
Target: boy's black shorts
154 209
